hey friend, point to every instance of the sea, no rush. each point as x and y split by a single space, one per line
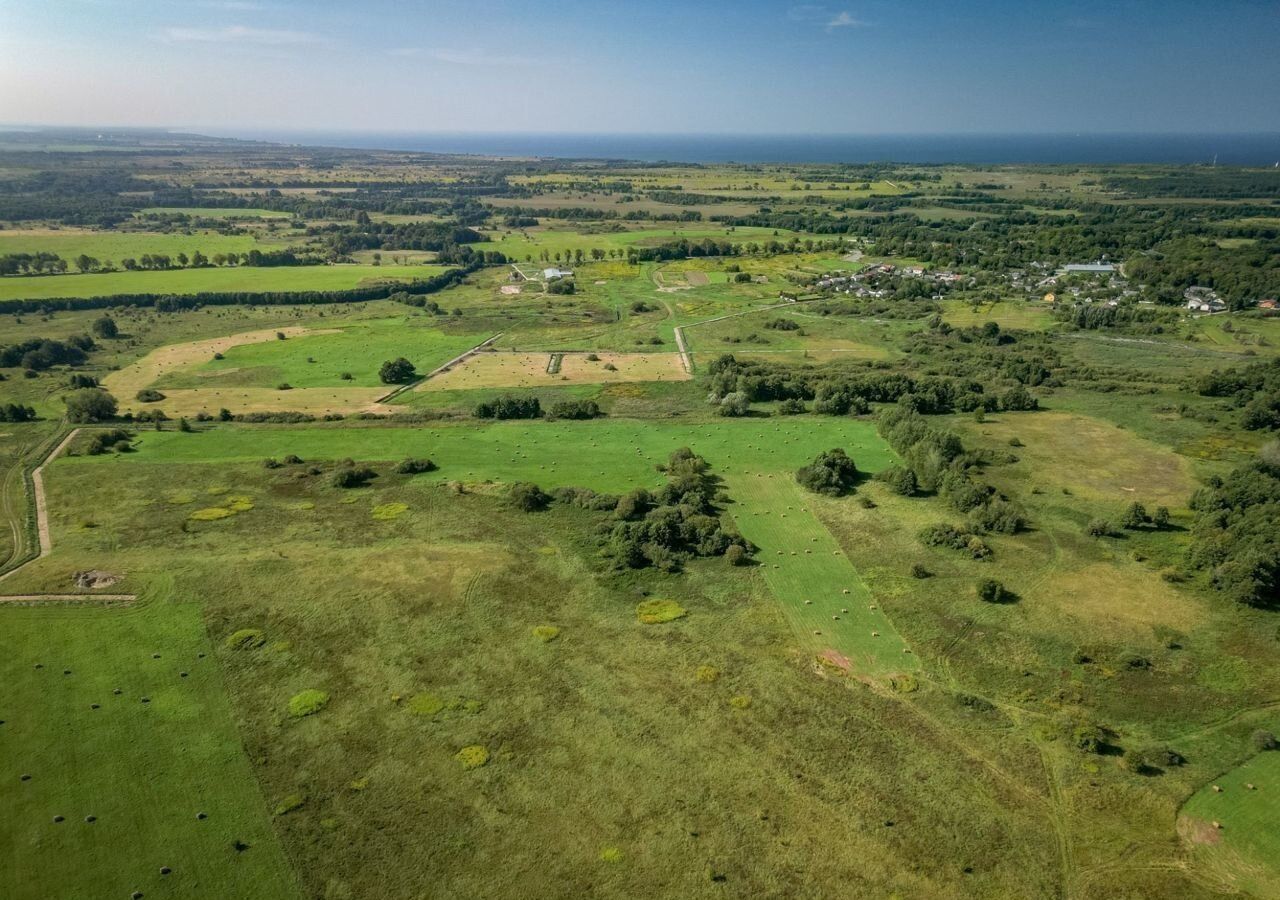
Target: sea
984 149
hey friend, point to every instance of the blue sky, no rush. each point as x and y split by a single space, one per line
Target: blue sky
659 66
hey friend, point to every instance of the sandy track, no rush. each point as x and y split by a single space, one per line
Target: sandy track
46 541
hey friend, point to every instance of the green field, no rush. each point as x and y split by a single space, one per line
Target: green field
1244 850
821 593
194 281
119 245
517 244
1009 657
319 360
204 212
117 784
605 455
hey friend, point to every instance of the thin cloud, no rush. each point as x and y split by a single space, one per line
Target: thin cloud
474 58
806 12
234 5
239 34
842 19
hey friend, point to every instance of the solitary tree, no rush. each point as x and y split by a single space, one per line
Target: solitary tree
832 472
397 371
105 327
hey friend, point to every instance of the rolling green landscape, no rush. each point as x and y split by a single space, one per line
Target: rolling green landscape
814 531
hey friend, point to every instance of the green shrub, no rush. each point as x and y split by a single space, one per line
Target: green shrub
412 466
1098 528
352 476
307 703
991 591
656 612
289 804
149 395
832 473
245 639
529 497
472 757
546 633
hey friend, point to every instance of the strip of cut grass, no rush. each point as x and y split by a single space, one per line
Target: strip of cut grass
825 601
143 771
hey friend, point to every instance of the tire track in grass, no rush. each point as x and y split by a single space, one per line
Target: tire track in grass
809 575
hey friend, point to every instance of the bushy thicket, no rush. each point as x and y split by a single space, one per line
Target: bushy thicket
681 520
17 412
42 353
1236 535
832 473
575 409
937 461
113 439
842 391
509 407
1255 389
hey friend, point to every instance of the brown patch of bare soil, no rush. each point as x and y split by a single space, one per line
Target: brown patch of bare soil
94 579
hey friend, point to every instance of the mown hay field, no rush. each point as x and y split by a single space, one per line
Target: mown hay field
525 370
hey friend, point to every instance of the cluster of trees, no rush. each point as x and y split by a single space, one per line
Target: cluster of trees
32 264
36 354
937 461
508 407
17 412
1236 538
1255 389
412 293
847 390
341 240
681 520
88 405
662 528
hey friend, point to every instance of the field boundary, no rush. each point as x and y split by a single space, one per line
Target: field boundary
405 388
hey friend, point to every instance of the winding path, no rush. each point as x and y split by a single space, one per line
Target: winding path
45 541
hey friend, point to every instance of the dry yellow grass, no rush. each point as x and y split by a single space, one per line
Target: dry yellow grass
146 371
316 401
1091 457
524 370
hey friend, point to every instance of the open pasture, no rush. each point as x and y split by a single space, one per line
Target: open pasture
208 212
116 246
420 628
1091 458
1029 315
1243 851
528 243
605 455
319 357
524 370
215 280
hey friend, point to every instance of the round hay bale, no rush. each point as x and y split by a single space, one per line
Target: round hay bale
57 819
90 819
201 816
